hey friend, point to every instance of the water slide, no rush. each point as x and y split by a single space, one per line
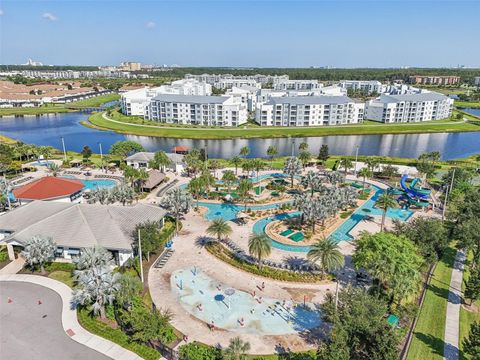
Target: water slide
412 191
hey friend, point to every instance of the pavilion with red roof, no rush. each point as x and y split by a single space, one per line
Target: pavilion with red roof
50 188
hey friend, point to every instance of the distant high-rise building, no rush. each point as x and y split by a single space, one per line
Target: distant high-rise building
434 80
130 66
30 62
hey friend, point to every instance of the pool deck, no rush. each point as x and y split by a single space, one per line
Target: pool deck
188 254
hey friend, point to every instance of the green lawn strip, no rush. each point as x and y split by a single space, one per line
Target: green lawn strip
223 133
117 336
427 342
7 140
45 109
94 101
467 104
62 276
467 317
225 255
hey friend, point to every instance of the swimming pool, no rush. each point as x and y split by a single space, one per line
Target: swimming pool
228 211
209 300
94 183
342 233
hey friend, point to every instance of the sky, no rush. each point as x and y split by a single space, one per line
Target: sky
268 33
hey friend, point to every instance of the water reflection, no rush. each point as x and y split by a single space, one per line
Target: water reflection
48 129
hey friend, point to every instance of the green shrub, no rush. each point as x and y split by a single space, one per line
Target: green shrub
3 253
115 335
225 255
345 214
198 351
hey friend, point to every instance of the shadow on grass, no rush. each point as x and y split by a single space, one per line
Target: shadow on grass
435 344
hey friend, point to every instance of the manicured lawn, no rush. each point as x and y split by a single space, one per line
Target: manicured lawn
467 317
6 140
221 133
427 342
95 101
467 104
46 109
62 276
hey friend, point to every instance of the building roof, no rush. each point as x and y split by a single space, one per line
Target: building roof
423 96
141 156
192 99
47 188
146 156
300 100
79 225
155 177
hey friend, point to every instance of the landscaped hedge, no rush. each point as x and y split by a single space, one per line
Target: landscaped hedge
115 335
227 256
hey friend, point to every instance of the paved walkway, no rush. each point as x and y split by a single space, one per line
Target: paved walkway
13 267
69 319
452 323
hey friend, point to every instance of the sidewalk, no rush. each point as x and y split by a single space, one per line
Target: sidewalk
69 319
452 322
13 267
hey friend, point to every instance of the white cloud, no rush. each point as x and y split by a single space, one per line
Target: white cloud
49 16
1 12
150 25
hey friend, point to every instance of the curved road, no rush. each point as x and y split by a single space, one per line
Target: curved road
32 331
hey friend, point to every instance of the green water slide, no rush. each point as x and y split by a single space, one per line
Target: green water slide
420 190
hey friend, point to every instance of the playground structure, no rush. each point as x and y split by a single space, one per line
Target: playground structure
412 195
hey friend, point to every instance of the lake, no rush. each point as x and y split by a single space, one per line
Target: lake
48 130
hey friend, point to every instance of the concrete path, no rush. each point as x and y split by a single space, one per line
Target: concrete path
452 323
69 319
13 267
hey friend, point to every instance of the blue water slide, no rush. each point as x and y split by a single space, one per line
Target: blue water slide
410 191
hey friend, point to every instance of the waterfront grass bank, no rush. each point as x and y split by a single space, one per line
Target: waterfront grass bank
132 127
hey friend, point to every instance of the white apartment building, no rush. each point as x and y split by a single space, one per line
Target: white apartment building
214 78
134 102
477 81
423 106
246 94
369 86
229 83
309 111
197 110
296 85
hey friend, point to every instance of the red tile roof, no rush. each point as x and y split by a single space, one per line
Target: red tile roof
49 187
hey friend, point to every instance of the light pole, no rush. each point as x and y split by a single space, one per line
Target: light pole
356 161
448 190
140 255
101 151
336 295
64 151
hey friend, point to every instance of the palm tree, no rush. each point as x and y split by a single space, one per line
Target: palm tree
194 164
260 246
272 151
236 161
292 167
372 163
5 188
325 253
229 179
101 195
385 202
365 172
38 250
346 163
214 165
311 181
46 151
160 161
97 286
304 157
122 193
94 256
219 228
196 187
141 178
244 151
247 166
244 189
208 181
303 146
236 349
177 201
258 165
334 177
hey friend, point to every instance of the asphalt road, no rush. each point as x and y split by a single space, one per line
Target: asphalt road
29 331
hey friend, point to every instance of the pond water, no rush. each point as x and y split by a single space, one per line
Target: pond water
48 130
